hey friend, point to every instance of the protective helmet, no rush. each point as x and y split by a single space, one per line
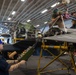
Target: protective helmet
1 42
55 11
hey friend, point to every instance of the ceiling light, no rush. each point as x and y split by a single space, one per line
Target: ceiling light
44 11
5 23
9 18
22 0
45 22
13 13
37 25
54 5
28 20
1 28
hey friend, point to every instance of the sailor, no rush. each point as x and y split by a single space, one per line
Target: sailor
57 15
73 20
4 66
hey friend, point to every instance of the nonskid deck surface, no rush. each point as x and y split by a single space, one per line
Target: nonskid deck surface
30 68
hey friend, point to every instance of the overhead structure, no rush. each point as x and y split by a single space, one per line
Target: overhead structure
37 12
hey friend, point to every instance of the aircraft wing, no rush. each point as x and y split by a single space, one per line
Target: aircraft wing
69 37
64 38
71 30
10 47
24 44
21 45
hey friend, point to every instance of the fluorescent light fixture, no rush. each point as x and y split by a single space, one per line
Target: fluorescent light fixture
37 25
45 22
13 13
22 0
1 28
54 5
44 11
9 18
28 20
5 23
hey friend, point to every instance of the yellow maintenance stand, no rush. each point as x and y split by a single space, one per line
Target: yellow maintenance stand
63 48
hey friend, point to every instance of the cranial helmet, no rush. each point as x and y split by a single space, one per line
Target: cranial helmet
1 42
55 11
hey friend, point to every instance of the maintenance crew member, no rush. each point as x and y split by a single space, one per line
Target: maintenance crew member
73 20
4 66
57 15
